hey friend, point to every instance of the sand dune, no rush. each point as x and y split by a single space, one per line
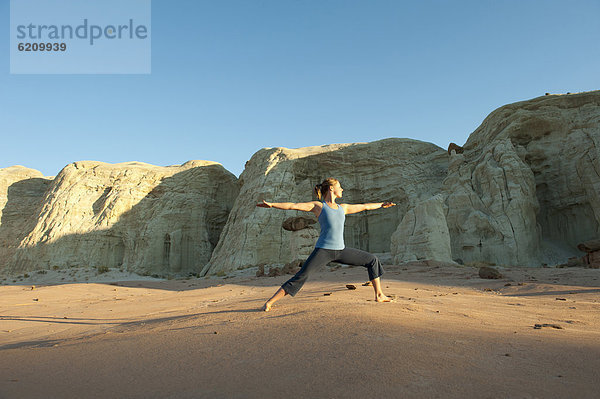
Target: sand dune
449 334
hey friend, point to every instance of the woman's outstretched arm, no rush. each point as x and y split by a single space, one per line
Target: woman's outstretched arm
295 206
355 208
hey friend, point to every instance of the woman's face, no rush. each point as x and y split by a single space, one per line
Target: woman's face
337 190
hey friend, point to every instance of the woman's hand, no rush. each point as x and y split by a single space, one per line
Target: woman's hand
387 204
264 204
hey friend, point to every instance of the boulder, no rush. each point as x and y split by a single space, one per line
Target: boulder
589 246
489 273
292 267
592 257
298 223
575 261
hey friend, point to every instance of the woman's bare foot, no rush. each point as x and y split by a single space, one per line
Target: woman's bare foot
382 298
277 296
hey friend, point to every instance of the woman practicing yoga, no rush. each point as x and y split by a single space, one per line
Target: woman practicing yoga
330 245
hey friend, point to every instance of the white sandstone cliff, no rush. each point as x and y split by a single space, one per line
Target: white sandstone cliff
401 170
140 217
22 191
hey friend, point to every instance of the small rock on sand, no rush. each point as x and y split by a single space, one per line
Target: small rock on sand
274 272
539 326
489 272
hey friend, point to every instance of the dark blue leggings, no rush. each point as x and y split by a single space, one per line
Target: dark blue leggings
320 257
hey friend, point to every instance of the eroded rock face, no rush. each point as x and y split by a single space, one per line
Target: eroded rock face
492 208
423 233
144 218
302 242
526 190
400 170
21 193
303 235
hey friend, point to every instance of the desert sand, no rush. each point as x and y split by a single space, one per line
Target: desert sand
448 334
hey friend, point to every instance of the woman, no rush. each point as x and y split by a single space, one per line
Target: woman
330 245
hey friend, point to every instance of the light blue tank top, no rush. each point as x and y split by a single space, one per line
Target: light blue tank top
332 228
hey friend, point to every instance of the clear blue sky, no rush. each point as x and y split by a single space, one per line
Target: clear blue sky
231 77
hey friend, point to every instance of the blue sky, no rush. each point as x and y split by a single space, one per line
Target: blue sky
231 77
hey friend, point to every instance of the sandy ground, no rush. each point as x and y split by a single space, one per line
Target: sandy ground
449 334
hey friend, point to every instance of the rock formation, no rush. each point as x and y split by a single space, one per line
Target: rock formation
298 223
423 233
492 207
454 148
302 242
144 218
22 191
592 253
523 190
526 190
401 170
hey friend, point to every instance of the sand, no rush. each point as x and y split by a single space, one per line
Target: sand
449 334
